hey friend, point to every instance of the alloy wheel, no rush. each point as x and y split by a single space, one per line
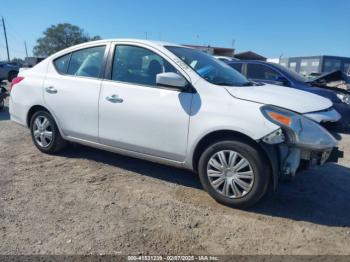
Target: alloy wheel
42 131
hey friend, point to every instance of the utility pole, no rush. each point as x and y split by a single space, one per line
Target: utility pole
233 43
25 46
7 45
146 34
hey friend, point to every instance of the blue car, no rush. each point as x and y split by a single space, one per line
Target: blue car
265 72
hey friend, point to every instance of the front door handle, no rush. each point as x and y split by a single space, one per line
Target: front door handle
51 90
114 99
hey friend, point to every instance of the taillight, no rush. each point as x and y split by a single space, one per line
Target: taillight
15 81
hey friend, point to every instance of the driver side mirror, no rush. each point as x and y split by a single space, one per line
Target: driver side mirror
171 79
282 80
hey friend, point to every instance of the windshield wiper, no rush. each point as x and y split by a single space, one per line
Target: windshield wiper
223 84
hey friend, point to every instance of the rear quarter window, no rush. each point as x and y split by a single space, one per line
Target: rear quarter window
61 63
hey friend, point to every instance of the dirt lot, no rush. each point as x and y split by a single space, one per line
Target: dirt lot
89 201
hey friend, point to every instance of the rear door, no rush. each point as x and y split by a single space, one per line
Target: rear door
72 88
135 113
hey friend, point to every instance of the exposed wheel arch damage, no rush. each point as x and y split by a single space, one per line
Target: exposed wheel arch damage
268 152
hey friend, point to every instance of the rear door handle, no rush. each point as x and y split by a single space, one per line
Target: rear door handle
51 90
114 99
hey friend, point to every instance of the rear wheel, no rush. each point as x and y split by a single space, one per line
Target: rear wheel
234 173
45 133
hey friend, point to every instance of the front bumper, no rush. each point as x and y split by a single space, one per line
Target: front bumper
335 155
313 146
320 157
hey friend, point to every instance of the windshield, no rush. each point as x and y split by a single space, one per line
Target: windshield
208 67
291 73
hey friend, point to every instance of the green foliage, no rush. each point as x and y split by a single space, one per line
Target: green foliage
60 36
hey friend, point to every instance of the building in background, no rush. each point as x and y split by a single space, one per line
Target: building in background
213 50
249 55
273 60
313 65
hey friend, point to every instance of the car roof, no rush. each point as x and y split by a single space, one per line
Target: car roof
132 40
151 43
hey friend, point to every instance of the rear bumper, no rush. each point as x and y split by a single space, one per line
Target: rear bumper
18 112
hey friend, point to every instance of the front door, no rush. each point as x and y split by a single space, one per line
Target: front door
139 116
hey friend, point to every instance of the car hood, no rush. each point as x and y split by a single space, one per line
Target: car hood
288 98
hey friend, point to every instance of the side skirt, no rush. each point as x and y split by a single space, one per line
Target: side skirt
125 152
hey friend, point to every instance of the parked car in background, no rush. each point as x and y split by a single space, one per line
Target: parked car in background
29 62
335 81
174 105
3 95
270 73
8 71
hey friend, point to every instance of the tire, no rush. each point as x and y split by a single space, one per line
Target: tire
11 75
255 184
41 133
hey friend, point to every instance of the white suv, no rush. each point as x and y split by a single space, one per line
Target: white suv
173 105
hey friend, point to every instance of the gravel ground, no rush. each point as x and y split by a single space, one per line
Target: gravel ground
87 201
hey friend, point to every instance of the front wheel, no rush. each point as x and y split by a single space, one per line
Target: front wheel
234 173
45 133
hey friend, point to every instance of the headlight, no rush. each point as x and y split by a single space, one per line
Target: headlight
299 130
289 121
345 98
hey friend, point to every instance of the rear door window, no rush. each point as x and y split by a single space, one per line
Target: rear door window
87 62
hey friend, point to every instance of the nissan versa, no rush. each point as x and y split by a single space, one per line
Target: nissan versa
178 106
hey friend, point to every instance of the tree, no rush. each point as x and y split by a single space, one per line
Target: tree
60 36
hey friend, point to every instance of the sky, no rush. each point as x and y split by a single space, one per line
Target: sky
272 28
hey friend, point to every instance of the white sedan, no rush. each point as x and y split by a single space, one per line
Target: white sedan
177 106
